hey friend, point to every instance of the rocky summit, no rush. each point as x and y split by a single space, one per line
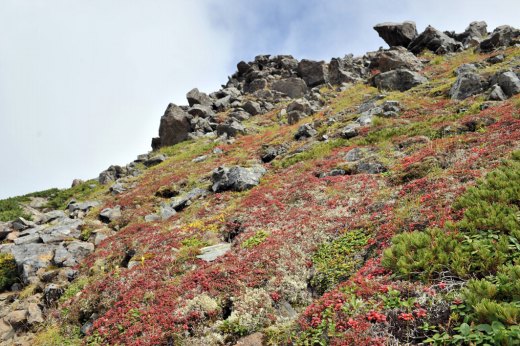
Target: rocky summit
370 200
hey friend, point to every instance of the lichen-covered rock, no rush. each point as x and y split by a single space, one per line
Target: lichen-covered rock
466 85
400 79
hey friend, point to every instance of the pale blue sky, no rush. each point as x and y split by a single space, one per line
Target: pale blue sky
83 83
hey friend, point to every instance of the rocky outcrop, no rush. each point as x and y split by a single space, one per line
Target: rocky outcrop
434 40
502 36
466 85
394 58
397 34
175 127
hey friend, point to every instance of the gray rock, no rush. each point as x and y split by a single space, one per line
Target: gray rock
111 174
350 131
194 97
301 105
4 230
509 83
53 215
466 85
473 34
17 319
231 128
180 202
434 40
102 234
356 154
365 119
305 131
83 206
30 257
200 158
77 250
240 115
369 166
255 85
236 178
391 106
118 188
174 128
293 87
222 103
391 59
211 253
465 68
166 212
496 59
497 94
294 116
154 160
21 224
7 332
333 173
108 215
400 79
269 153
314 73
345 71
65 230
202 111
28 239
397 34
252 107
201 125
502 36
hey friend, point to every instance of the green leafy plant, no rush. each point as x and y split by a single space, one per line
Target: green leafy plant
259 237
8 271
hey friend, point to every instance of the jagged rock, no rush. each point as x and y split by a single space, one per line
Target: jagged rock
391 106
295 116
17 319
83 207
30 257
108 215
174 128
357 154
350 131
195 97
231 128
111 174
346 70
202 111
394 58
509 82
366 119
180 202
53 215
211 253
434 40
313 72
496 93
305 131
502 36
292 87
118 188
400 79
65 230
51 294
21 224
34 314
465 68
466 85
269 153
240 115
7 332
496 59
236 178
369 166
301 105
28 239
154 160
255 85
397 34
473 34
252 107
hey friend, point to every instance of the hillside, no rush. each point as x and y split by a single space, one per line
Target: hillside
370 200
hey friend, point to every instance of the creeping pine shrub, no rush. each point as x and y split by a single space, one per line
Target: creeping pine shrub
8 271
335 261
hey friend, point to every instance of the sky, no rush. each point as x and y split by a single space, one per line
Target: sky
83 83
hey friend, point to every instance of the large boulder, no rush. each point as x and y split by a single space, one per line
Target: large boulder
346 70
394 58
313 72
175 127
236 178
400 79
231 128
473 34
466 85
397 34
434 40
195 97
502 36
293 87
509 82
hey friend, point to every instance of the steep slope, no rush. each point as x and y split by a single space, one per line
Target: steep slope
305 203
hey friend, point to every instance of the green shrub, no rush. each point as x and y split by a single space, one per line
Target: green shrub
334 262
258 238
8 271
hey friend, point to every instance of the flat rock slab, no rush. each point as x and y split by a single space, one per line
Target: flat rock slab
210 253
